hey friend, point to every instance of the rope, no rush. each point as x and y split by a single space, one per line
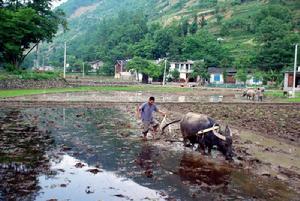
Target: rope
163 122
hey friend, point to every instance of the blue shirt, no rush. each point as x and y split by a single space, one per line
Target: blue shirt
147 110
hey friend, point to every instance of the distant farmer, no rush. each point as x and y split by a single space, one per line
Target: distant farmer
145 111
259 93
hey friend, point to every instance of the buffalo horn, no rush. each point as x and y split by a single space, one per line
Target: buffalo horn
222 137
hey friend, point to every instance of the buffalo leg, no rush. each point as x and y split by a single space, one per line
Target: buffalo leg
209 148
186 143
201 148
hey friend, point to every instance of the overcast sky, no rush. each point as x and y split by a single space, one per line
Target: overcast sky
56 3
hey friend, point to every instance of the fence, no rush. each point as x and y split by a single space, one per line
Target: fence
227 85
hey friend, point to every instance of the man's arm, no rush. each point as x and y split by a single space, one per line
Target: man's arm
162 113
139 110
159 111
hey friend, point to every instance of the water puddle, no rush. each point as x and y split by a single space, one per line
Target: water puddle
80 183
97 154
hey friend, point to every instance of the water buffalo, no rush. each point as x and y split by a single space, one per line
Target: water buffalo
250 94
192 123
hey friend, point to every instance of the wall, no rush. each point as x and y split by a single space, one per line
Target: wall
212 79
31 84
251 82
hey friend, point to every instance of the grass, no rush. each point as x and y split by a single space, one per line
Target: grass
24 92
279 94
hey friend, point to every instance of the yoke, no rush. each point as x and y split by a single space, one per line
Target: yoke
207 130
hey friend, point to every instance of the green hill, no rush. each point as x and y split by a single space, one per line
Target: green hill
232 22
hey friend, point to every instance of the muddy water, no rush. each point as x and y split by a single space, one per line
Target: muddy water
271 150
97 154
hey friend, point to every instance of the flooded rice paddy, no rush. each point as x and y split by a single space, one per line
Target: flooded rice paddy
122 96
97 154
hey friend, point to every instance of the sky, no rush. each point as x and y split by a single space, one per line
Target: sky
56 3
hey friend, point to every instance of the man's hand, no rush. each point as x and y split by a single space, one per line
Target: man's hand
162 113
138 112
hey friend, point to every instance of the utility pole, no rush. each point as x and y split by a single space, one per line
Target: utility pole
37 57
82 69
65 59
295 66
164 79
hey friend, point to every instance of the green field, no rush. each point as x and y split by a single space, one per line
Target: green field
279 94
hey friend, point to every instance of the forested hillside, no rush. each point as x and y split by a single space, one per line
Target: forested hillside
239 33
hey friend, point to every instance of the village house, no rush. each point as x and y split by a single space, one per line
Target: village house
122 73
184 68
217 77
44 68
289 80
96 65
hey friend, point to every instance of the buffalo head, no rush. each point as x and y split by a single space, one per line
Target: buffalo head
225 142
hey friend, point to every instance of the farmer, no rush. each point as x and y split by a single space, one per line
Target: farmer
145 112
259 93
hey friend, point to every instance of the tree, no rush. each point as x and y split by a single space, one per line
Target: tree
194 25
203 45
107 68
163 39
242 75
185 27
277 41
200 69
258 75
203 21
274 76
175 74
25 25
274 33
145 48
145 67
219 18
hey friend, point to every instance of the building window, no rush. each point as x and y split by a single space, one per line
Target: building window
191 67
217 78
186 66
177 66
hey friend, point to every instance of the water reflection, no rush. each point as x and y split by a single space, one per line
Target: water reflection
196 169
80 184
22 150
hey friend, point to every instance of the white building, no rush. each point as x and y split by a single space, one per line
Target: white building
122 73
217 77
184 68
96 65
44 68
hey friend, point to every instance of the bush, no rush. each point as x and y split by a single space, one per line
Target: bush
29 75
175 74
